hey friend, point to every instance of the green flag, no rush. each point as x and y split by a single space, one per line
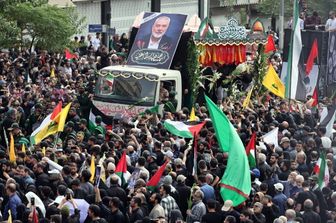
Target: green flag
236 181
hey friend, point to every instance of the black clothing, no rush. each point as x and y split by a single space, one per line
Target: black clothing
212 217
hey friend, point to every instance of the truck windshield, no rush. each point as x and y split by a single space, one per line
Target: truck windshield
133 88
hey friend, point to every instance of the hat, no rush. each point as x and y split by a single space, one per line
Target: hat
314 178
326 142
279 186
284 139
153 155
59 150
227 205
169 154
70 124
181 178
14 126
258 204
256 172
98 119
83 121
111 166
167 180
178 161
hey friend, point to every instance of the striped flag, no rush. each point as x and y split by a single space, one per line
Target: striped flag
53 125
47 121
121 168
205 30
322 171
250 151
294 56
328 116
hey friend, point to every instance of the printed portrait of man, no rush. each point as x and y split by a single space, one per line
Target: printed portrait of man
158 38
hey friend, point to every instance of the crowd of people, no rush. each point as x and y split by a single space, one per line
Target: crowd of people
56 172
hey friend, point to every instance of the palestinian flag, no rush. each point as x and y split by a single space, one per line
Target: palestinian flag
181 129
322 171
313 102
121 168
105 122
154 181
69 55
250 151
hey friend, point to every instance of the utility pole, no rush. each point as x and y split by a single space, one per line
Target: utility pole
203 8
281 25
155 5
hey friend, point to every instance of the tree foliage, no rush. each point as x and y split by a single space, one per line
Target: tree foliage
39 24
271 7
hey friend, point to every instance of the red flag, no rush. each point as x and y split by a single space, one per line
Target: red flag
69 55
315 98
56 110
270 46
35 217
312 55
154 181
195 129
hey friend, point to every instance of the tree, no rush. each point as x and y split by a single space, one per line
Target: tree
322 7
272 8
9 33
41 25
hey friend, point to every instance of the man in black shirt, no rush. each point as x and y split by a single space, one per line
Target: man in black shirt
212 216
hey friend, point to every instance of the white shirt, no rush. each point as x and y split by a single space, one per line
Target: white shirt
95 44
330 24
301 23
153 45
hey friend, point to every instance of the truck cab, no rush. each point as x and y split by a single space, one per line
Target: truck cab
126 89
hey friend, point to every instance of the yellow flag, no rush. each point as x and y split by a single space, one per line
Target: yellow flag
9 220
248 98
12 157
55 125
52 72
92 168
43 151
273 83
23 148
192 115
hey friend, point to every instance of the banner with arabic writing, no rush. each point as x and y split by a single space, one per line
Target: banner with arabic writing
157 39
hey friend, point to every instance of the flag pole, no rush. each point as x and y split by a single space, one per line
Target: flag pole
195 157
289 74
6 138
56 140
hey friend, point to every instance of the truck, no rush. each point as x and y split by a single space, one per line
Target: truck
131 90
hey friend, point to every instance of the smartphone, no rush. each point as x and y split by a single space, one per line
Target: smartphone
32 201
97 176
68 196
